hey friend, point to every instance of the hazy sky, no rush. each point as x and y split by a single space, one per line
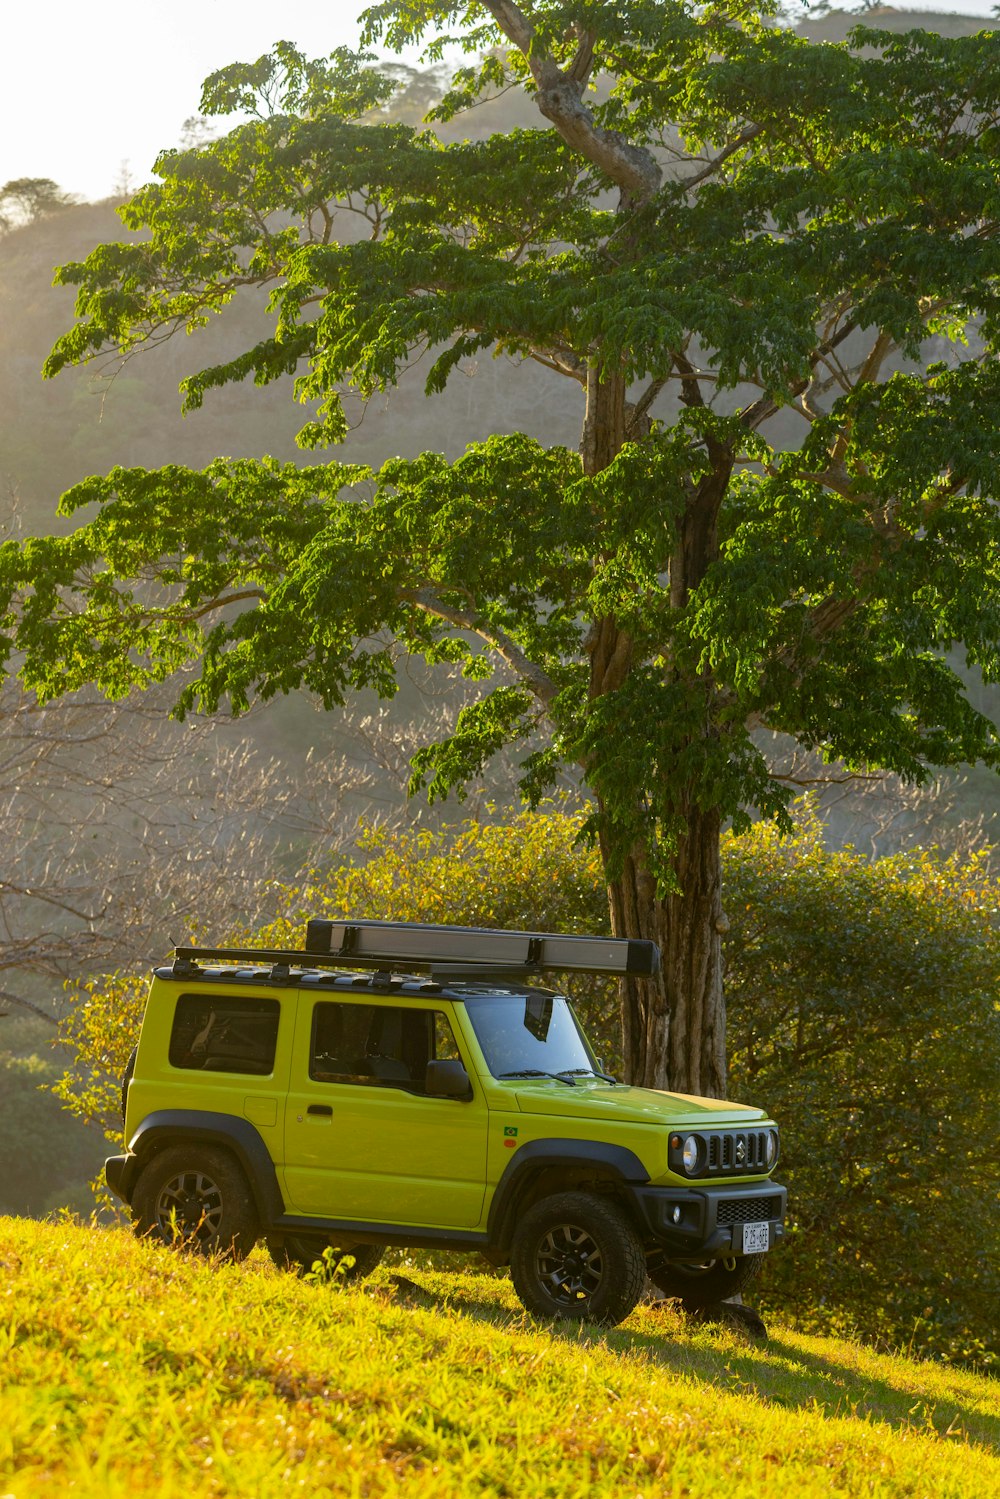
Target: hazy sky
88 88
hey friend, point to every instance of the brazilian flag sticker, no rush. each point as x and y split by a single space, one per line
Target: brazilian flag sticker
509 1131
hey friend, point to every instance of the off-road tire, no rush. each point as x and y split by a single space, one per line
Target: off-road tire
197 1198
698 1285
577 1256
297 1253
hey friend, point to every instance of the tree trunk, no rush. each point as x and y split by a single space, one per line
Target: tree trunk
674 1025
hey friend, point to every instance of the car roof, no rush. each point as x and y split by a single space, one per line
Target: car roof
381 984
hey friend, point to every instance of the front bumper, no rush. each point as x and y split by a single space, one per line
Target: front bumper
699 1223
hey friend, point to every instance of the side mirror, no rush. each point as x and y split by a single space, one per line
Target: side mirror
447 1080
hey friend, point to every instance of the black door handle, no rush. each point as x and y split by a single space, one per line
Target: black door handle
320 1108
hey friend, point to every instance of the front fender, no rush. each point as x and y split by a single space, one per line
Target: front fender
539 1155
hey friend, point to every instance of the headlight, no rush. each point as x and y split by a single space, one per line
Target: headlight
688 1154
771 1149
691 1154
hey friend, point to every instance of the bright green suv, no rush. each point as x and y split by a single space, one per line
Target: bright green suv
404 1084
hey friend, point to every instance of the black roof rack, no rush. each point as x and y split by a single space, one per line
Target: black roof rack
450 951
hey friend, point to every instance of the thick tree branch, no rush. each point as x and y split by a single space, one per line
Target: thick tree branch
563 362
558 97
539 682
762 410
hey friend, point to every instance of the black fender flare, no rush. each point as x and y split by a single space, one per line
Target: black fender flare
536 1156
165 1127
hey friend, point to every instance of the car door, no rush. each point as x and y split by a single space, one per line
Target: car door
362 1140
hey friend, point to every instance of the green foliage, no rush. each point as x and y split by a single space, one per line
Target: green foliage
863 1013
101 1027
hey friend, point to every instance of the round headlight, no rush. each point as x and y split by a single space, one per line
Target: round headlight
691 1154
771 1150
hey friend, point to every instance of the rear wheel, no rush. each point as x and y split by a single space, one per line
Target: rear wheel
575 1255
701 1284
299 1252
196 1198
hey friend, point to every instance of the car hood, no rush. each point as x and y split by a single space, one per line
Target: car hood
596 1100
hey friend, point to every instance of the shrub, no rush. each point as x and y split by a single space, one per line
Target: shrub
862 1003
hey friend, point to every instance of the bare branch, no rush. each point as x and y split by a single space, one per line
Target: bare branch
25 1004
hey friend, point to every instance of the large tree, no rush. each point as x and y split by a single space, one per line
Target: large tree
758 261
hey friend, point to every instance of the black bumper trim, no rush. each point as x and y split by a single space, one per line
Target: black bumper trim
698 1234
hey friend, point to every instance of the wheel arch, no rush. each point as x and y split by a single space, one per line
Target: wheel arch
542 1168
168 1127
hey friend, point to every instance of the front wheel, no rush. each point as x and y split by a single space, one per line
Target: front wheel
575 1255
299 1252
197 1198
701 1284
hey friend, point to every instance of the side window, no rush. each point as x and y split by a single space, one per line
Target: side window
225 1033
377 1046
445 1045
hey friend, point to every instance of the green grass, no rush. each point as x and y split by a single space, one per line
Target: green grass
127 1369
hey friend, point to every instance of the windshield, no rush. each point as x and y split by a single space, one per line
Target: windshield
529 1035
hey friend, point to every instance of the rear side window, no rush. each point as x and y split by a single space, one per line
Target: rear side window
225 1033
377 1045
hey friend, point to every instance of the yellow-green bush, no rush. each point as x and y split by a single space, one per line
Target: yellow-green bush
862 1001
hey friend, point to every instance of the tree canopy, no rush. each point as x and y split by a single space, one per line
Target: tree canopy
24 199
772 270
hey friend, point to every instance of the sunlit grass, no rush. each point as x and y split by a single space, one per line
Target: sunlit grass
127 1369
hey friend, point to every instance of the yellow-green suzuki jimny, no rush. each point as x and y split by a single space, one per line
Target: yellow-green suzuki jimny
407 1084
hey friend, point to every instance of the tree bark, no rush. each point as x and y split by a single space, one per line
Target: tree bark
674 1024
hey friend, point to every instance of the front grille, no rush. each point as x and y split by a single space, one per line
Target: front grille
748 1210
737 1153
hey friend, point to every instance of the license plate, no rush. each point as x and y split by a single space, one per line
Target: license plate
756 1238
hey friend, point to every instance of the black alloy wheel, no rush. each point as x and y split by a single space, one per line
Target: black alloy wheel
576 1255
198 1199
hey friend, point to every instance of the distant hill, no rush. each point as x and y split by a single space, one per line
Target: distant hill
835 25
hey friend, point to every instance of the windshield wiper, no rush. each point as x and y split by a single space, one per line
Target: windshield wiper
589 1072
560 1077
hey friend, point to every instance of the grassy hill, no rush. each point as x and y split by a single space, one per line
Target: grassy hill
128 1370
